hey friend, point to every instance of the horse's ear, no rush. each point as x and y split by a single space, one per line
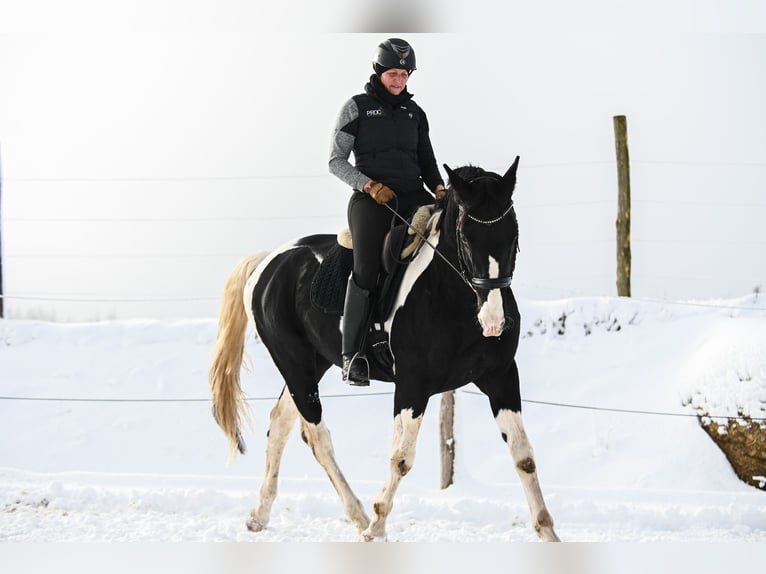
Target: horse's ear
457 183
509 179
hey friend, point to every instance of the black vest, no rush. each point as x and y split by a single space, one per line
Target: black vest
386 147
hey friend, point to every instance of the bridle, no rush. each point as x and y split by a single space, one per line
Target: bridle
473 283
488 283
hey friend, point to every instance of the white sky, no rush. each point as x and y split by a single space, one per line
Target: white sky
103 92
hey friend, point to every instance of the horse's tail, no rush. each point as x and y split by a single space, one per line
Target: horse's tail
229 406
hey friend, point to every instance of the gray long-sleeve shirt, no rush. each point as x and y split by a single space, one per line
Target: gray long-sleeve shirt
341 146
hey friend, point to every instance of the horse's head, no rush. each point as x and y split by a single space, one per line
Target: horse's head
487 238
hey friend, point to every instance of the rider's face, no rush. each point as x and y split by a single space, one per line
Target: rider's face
395 80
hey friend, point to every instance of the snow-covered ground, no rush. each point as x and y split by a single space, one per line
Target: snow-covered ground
107 434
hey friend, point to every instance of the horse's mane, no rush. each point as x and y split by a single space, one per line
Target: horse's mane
469 173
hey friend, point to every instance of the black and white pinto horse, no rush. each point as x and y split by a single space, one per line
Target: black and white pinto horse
455 321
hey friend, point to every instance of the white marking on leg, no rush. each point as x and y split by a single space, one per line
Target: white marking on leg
492 315
510 424
406 430
319 440
281 422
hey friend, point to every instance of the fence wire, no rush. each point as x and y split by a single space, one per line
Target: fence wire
186 298
379 394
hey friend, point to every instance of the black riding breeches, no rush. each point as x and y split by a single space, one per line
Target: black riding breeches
369 222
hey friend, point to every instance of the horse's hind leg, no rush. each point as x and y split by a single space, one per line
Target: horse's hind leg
317 436
281 422
512 430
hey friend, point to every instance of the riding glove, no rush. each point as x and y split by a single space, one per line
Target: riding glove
440 196
380 192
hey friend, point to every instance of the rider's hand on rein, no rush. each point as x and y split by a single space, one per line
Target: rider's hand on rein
379 191
439 195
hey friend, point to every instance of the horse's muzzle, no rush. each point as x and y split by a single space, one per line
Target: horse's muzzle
493 330
491 315
492 325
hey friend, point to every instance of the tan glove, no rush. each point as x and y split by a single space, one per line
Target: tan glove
379 191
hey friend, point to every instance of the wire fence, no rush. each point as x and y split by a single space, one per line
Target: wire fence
272 177
192 258
592 408
190 298
115 299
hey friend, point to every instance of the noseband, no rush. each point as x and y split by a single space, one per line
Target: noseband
480 282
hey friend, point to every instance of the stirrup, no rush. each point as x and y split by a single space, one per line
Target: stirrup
356 371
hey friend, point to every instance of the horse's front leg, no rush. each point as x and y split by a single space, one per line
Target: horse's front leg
512 430
505 400
406 428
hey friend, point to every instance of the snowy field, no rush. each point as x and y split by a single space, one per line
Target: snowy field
108 435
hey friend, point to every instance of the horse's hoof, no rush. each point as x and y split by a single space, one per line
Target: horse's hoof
548 535
254 525
368 536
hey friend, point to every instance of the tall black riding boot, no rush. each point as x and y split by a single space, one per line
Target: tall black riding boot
356 313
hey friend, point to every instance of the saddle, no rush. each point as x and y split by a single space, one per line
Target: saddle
328 287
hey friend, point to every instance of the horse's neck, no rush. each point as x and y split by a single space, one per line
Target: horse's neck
447 274
448 240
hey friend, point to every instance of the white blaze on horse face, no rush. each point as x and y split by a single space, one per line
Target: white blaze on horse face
492 315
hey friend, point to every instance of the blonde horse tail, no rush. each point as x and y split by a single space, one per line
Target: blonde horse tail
229 405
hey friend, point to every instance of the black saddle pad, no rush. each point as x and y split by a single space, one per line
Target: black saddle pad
328 288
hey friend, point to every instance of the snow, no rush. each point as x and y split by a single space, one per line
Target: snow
124 448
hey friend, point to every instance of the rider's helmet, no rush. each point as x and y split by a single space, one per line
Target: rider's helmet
394 53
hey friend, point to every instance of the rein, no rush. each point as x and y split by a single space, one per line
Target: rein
472 282
433 248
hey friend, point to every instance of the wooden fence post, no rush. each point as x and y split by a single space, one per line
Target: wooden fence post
623 206
447 438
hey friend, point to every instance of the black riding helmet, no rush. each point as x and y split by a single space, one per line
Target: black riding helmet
394 53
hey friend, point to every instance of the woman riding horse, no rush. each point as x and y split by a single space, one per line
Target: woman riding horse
469 335
388 133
